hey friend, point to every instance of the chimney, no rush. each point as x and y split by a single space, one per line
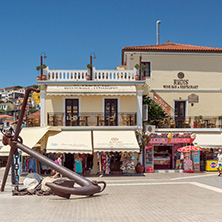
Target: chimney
157 32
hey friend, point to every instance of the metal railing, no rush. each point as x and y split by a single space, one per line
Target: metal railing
91 119
190 122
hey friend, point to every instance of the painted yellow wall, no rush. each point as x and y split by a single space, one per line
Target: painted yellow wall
128 104
204 72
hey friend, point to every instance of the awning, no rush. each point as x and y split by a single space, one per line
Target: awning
208 140
115 141
70 142
30 135
91 90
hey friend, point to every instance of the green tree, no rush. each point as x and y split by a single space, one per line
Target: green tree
155 112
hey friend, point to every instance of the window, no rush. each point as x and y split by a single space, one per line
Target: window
147 70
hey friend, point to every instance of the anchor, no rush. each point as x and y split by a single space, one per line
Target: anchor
61 187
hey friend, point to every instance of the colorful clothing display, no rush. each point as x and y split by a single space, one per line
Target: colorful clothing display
78 165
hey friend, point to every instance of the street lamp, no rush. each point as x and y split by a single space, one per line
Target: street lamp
94 57
42 53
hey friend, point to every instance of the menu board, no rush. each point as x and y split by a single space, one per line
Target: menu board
188 165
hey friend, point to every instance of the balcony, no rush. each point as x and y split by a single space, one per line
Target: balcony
91 119
84 75
190 122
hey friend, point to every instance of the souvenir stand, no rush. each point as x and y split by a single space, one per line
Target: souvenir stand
161 151
191 158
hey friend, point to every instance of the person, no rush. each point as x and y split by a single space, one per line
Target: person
78 165
219 162
58 161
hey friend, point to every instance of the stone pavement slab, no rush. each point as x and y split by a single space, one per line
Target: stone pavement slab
150 198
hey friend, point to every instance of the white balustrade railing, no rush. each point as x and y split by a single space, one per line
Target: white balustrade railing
97 75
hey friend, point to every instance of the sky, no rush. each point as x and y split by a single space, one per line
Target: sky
68 31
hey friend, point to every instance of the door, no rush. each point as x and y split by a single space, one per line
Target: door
180 107
111 112
71 111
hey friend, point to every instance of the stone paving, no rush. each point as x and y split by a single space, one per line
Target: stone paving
153 197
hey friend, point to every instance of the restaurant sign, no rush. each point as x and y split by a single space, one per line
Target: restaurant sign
180 83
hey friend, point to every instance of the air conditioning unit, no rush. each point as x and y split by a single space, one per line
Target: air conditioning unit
150 128
145 112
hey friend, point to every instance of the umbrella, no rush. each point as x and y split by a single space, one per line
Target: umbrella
189 148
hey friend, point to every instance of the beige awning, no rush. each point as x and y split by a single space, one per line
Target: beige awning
30 135
208 140
70 142
91 90
118 140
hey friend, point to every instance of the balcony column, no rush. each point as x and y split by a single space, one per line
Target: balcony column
42 105
139 107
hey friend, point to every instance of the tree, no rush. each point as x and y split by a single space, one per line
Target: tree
155 112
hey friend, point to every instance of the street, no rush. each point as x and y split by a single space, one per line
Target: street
153 197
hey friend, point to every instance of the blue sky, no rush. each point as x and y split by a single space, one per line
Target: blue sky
68 31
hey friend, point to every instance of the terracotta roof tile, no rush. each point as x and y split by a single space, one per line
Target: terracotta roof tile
173 47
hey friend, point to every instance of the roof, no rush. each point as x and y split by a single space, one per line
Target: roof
171 46
35 115
5 116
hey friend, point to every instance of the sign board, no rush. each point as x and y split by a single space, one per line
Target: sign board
188 165
193 98
165 140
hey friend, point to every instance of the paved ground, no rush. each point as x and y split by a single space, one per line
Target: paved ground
153 197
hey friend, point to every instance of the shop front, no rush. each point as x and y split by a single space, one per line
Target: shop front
161 151
115 152
210 143
74 148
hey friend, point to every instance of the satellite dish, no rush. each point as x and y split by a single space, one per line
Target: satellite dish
36 98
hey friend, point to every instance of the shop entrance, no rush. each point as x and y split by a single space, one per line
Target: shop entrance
180 107
162 157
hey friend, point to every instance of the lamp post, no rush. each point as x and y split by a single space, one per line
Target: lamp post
43 53
94 57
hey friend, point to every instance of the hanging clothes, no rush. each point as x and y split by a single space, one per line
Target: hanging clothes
78 165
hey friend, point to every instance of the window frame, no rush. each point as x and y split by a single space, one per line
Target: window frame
142 74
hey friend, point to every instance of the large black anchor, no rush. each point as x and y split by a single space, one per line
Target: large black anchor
60 187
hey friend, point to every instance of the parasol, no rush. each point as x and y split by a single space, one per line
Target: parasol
189 148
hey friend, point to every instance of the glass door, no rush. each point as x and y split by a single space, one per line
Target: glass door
72 112
111 112
180 107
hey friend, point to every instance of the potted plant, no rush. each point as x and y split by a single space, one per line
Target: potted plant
43 77
89 71
143 68
137 67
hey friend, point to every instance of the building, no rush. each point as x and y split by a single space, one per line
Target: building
97 113
184 79
6 106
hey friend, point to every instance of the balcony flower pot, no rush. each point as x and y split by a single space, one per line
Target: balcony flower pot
144 78
88 77
38 78
139 168
44 77
137 77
